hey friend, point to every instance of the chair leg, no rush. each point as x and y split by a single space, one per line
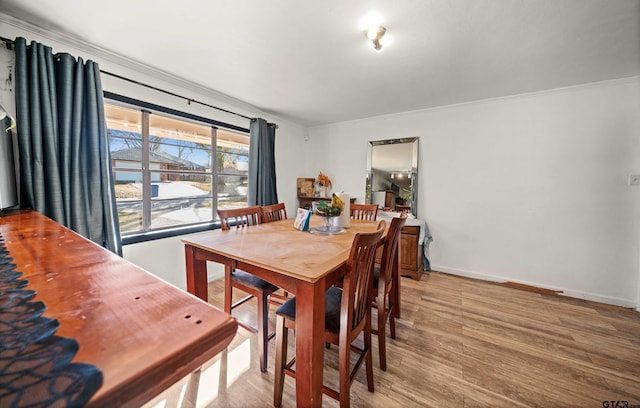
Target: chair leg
392 320
344 354
263 330
395 289
368 360
382 335
281 360
227 289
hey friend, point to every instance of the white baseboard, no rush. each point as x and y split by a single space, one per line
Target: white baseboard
214 275
563 291
211 276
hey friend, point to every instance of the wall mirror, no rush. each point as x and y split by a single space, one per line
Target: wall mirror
392 174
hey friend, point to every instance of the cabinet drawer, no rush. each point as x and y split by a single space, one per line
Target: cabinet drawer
411 230
410 252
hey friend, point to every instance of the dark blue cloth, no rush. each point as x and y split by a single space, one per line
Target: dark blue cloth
65 163
262 163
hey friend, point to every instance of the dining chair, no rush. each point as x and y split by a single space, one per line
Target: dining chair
274 212
385 280
347 314
368 212
248 283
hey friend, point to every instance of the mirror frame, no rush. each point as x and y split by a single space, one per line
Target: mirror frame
413 170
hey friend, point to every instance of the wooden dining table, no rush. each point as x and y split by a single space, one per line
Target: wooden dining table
140 332
302 263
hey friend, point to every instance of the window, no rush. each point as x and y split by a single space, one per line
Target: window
167 174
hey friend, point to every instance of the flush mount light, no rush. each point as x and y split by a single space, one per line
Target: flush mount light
375 34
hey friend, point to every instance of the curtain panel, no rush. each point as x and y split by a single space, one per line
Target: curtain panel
262 163
65 164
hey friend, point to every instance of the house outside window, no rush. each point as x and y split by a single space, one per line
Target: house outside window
170 171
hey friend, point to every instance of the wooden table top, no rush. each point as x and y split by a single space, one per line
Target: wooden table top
279 247
141 332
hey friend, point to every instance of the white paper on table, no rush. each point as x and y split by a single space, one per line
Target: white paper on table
344 220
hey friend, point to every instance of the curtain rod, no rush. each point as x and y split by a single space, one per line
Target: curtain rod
189 100
11 43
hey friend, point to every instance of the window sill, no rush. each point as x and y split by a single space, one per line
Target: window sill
168 233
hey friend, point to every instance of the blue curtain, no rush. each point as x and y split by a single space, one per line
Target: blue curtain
65 164
262 163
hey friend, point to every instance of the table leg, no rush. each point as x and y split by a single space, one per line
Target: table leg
309 343
196 273
191 393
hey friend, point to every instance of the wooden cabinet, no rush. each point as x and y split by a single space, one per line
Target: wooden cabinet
389 199
305 202
410 252
384 199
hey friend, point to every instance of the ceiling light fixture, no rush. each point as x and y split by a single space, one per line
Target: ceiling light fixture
375 34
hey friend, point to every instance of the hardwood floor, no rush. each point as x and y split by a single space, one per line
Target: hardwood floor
460 343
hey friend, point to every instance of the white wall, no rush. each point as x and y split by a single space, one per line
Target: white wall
165 259
531 188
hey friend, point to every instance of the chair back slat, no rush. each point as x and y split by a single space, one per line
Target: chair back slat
239 217
403 208
390 250
356 295
274 212
367 212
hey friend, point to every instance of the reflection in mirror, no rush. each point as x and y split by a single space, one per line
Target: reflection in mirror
392 173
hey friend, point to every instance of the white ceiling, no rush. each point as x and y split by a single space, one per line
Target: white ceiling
309 61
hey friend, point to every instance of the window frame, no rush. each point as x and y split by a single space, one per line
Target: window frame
147 108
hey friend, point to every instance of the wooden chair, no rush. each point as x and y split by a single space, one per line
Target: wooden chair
248 283
385 280
347 314
368 212
274 212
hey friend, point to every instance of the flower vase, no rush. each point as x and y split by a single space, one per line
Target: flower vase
324 191
328 223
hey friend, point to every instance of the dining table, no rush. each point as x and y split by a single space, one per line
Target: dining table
300 262
72 310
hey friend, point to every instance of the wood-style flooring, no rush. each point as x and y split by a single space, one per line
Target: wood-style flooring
460 343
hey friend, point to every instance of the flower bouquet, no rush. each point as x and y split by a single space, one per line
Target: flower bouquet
323 184
323 180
